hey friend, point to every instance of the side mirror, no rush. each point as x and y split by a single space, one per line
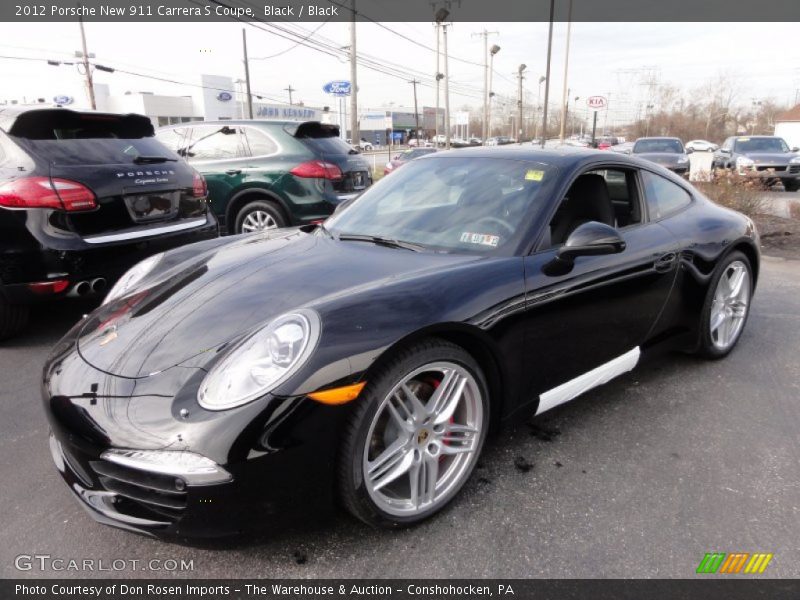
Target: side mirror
724 151
590 239
628 151
795 149
689 150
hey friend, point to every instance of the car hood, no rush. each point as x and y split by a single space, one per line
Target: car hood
662 158
770 158
191 309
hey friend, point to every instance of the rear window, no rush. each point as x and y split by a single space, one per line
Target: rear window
321 137
65 137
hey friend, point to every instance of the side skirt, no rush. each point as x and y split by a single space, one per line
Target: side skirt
591 379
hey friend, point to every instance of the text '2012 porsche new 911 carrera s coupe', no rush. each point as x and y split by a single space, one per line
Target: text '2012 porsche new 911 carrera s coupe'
366 359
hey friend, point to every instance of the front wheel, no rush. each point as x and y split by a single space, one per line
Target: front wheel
727 306
414 436
791 185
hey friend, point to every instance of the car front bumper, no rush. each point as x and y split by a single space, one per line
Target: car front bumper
771 172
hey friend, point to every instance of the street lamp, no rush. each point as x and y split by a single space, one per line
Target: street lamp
440 17
492 51
520 77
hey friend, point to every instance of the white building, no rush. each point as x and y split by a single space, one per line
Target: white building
787 126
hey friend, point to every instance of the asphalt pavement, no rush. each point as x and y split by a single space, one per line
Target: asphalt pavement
639 478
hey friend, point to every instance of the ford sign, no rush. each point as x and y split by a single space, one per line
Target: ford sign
337 88
224 96
62 100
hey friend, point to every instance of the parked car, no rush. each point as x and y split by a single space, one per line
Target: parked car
403 157
268 174
665 151
764 157
419 143
84 196
623 147
368 357
701 146
362 145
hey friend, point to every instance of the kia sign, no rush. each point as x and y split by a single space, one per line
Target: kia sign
63 100
337 88
596 102
224 96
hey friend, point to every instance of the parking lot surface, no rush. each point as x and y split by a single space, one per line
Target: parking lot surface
639 478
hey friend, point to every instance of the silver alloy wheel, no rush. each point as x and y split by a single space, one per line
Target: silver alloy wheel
423 439
730 305
258 220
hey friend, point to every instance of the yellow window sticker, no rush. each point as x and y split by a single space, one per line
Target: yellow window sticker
743 139
534 175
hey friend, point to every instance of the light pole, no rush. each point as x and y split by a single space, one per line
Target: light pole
565 93
542 78
520 77
547 72
494 50
440 16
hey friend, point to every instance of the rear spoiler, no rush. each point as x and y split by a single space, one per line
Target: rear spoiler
40 124
311 129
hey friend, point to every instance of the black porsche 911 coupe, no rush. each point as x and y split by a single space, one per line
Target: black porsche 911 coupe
366 359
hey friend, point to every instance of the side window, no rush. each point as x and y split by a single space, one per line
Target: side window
172 138
259 143
214 142
663 196
623 192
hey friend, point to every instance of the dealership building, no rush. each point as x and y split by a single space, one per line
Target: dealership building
220 97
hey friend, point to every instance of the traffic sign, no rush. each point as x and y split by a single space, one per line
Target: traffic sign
597 102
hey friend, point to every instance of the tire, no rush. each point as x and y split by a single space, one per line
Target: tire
13 318
714 344
368 436
259 215
791 185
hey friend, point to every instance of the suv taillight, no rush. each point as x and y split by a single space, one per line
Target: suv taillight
317 169
43 192
199 188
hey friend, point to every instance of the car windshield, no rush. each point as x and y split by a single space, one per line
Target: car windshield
670 146
769 144
471 205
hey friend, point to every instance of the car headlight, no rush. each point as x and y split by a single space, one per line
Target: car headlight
743 162
795 160
192 468
133 276
683 160
261 361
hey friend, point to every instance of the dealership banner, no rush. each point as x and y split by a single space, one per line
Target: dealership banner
432 589
475 11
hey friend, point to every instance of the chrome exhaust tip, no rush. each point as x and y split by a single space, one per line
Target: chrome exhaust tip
80 289
99 285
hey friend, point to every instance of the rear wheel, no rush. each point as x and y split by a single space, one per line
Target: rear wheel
791 185
727 306
259 215
415 435
13 318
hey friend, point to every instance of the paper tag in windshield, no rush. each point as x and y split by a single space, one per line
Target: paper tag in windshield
480 238
534 175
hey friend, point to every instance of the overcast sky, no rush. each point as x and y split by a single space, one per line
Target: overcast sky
763 58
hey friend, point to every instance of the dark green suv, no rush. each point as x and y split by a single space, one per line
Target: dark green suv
267 174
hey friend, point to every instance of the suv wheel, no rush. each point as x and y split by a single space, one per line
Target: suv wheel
13 318
259 216
791 185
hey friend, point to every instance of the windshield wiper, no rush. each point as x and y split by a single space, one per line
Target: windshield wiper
381 241
149 160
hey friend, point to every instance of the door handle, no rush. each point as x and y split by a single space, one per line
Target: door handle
233 172
665 262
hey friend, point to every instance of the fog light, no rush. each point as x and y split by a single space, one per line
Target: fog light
180 485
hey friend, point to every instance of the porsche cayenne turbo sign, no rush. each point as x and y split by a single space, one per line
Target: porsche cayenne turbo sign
596 102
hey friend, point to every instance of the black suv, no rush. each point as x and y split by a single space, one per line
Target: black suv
83 197
267 174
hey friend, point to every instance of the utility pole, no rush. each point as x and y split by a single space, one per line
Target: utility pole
520 77
247 74
446 91
86 68
547 73
414 82
565 93
354 135
438 76
290 89
485 34
494 50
